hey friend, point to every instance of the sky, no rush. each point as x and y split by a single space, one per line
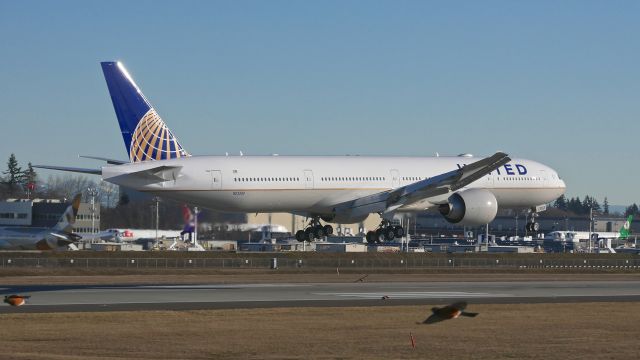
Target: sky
553 81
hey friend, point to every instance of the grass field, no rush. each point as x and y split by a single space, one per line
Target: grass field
519 331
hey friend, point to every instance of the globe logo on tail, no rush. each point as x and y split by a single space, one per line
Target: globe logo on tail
152 140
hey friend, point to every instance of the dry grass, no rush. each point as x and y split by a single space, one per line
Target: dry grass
522 331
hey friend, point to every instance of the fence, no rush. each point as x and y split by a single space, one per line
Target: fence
413 263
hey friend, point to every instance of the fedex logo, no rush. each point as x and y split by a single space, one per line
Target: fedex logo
509 169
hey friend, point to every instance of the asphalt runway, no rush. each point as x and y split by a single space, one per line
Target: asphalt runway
76 298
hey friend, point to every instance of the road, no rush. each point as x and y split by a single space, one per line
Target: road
71 298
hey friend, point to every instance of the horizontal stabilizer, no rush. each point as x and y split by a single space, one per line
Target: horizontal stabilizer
70 169
158 173
109 161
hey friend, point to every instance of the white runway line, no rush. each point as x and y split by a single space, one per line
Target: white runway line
415 295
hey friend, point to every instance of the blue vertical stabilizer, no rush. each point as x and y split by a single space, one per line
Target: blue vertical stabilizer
145 135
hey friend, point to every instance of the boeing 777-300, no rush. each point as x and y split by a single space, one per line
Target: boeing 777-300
343 189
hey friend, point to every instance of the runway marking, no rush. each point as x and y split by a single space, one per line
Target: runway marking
416 295
221 286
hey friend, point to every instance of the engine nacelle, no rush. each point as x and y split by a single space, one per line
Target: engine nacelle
344 218
472 207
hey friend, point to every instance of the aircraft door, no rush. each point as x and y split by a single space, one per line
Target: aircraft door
395 178
308 179
216 179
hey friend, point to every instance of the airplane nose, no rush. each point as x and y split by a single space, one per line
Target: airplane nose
562 185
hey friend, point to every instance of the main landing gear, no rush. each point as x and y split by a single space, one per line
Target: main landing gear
532 227
313 231
385 232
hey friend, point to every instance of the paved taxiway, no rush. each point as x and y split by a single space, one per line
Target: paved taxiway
223 296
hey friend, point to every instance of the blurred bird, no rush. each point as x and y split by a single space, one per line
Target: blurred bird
448 312
16 300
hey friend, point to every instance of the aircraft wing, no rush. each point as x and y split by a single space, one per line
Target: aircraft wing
392 200
70 169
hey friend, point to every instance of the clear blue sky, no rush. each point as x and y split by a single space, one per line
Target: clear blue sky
553 81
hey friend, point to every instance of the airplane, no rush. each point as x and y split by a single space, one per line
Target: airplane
576 236
625 230
35 238
340 189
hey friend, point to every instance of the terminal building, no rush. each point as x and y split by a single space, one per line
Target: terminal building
46 213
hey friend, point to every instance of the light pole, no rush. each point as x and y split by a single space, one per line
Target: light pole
157 200
195 226
93 192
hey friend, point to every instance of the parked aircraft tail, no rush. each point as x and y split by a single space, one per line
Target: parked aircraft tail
146 136
625 230
189 220
68 218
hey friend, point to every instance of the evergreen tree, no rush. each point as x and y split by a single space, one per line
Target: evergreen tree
605 206
575 205
29 176
631 210
13 174
560 203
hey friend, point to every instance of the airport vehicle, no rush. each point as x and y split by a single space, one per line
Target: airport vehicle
32 238
342 189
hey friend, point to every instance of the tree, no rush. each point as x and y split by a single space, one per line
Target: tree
561 203
631 210
109 192
13 175
67 186
575 205
29 178
605 206
124 199
29 175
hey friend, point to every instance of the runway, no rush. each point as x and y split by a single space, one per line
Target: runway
227 296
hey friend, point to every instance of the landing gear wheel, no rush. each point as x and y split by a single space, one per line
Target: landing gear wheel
300 236
308 234
328 230
379 235
389 233
535 226
398 231
371 237
318 232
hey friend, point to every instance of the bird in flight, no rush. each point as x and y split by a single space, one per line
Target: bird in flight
16 300
448 312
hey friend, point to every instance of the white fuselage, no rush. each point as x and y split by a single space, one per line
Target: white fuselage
315 184
25 238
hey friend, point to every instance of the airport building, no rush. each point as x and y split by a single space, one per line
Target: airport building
46 213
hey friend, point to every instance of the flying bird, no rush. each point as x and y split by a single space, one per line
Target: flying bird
16 300
448 312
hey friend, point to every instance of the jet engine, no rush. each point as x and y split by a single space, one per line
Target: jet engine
471 207
55 240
